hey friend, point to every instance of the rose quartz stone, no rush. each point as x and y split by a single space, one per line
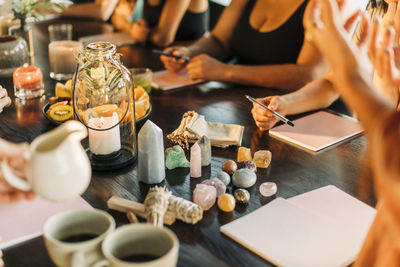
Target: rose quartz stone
204 196
195 161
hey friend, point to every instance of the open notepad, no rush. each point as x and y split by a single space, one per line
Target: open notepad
324 227
167 80
318 131
25 219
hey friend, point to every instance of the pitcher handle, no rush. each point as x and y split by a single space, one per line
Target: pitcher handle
14 180
101 263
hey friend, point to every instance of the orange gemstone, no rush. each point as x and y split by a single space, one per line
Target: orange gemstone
226 202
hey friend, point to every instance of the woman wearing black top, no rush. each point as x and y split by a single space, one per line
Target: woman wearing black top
166 21
321 93
267 38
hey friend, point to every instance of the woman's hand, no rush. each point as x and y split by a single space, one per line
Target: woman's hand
139 30
173 64
264 119
206 68
14 155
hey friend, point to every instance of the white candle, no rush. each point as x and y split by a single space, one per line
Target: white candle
62 57
104 142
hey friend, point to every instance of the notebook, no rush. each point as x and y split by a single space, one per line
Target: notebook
117 38
24 220
298 232
166 80
318 131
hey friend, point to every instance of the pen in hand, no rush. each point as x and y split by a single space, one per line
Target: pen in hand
156 51
279 116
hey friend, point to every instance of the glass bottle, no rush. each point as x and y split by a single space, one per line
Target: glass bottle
103 101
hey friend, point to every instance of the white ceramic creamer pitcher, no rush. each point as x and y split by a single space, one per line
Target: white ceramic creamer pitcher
58 168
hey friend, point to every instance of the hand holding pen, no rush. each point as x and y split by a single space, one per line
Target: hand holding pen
177 60
265 118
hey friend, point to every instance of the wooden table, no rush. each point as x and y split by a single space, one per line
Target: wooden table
293 170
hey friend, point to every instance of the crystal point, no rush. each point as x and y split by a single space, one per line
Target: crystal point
195 161
205 147
151 168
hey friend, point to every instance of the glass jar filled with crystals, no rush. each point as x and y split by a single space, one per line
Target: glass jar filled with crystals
103 101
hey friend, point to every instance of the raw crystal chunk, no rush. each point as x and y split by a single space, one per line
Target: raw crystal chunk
217 183
229 166
244 178
151 169
224 177
205 147
244 154
226 202
242 195
262 158
248 164
195 161
268 189
204 196
175 158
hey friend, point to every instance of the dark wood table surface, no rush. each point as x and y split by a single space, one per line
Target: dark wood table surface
292 169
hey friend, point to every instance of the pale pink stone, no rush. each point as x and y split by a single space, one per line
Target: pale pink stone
204 196
195 161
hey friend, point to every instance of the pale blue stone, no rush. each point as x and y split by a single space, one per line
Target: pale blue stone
151 164
224 177
244 178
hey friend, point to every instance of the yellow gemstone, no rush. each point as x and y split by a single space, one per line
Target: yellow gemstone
226 202
262 158
244 154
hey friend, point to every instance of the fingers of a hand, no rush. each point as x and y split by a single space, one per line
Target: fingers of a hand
364 30
373 42
308 13
350 21
8 149
274 103
397 20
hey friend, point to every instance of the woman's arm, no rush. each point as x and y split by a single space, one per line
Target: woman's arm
171 16
214 44
101 10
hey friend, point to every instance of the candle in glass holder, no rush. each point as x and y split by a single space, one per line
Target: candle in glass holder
107 141
28 82
62 59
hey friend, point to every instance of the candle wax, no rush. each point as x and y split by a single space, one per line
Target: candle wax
104 142
28 78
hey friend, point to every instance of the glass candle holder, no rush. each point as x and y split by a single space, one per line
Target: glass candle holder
28 82
62 56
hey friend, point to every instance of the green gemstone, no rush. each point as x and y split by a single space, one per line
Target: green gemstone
175 158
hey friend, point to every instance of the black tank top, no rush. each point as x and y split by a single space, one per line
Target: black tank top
279 46
192 26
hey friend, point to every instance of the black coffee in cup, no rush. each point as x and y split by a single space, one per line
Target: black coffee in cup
139 258
78 238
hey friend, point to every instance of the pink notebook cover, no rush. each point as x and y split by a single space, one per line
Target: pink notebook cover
24 220
317 131
167 80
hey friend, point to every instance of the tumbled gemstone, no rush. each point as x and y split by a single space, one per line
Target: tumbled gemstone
204 196
229 167
175 158
268 189
217 183
244 154
247 164
242 195
244 178
226 202
262 158
224 177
